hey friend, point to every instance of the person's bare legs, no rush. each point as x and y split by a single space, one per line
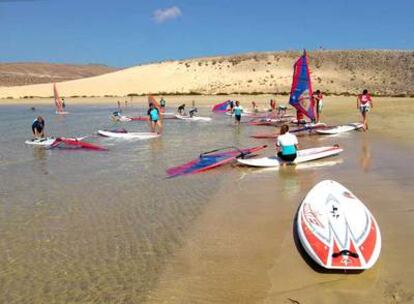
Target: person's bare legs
364 117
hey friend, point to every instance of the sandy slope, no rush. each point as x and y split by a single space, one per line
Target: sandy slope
17 74
338 72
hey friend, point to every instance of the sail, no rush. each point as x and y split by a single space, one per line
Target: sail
58 101
301 95
211 159
73 143
221 107
151 99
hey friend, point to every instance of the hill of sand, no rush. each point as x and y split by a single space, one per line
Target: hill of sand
17 74
334 72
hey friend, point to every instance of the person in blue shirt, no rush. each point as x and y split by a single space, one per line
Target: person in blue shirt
237 111
154 118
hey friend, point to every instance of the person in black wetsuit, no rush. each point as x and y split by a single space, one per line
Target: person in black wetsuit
192 111
38 127
181 109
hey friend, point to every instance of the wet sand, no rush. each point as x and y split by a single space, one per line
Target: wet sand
107 228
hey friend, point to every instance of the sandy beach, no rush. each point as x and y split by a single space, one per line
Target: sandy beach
106 199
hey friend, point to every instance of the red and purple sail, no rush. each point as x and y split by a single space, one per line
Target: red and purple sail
301 95
212 159
73 143
221 107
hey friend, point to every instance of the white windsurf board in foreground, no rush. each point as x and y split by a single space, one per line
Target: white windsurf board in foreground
336 229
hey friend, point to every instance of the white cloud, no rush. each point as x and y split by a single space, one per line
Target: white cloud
162 15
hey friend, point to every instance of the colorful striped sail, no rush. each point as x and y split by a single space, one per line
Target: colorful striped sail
221 107
301 95
212 159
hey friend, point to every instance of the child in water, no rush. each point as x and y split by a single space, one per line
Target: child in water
154 117
237 111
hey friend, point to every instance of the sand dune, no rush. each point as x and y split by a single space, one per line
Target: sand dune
334 72
17 74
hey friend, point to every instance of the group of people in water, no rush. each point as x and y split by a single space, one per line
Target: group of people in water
286 144
364 104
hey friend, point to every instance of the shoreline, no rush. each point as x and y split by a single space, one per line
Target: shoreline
201 100
159 94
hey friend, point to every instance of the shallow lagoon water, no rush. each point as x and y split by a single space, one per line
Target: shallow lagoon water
107 227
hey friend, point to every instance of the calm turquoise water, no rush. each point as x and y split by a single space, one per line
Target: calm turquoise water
107 227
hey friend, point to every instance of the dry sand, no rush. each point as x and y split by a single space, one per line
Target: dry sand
25 73
339 72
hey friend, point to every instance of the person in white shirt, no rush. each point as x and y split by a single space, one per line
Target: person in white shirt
286 144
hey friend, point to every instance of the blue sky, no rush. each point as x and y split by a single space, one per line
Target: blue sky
126 32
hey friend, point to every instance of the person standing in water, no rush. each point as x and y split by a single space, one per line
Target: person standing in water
231 106
119 106
38 127
272 105
364 104
162 103
154 118
281 110
286 144
300 117
255 109
237 111
318 104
